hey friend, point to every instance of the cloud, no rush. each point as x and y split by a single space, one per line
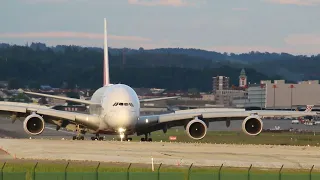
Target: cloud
240 9
45 1
303 39
176 3
283 49
242 49
51 1
71 35
296 2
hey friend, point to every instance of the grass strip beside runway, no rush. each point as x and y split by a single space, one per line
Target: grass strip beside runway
238 137
78 168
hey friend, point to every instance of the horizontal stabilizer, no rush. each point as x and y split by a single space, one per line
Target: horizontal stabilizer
82 101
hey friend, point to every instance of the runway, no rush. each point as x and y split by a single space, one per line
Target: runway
166 153
14 140
15 130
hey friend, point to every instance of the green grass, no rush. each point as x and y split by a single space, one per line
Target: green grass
283 138
237 137
78 166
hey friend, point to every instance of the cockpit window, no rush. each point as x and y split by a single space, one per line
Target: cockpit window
122 104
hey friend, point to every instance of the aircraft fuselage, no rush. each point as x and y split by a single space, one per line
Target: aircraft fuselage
119 108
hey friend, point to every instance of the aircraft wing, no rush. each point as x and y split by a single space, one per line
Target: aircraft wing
82 101
25 109
147 124
205 114
158 99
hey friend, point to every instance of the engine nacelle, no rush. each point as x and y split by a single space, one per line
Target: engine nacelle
196 129
33 124
252 125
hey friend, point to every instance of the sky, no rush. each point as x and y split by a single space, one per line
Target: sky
238 26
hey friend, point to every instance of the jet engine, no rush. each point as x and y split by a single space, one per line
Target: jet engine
196 129
33 124
252 125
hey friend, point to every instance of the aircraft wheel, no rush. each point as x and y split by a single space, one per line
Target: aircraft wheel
74 137
129 139
93 138
100 138
82 137
150 139
142 139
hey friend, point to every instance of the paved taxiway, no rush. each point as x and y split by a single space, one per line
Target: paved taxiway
166 153
15 130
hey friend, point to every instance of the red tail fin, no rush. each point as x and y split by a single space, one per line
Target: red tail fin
309 108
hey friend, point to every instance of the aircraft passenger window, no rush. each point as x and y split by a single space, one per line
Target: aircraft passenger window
115 104
126 104
131 104
120 104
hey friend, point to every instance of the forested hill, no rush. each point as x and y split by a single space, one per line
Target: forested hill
38 64
291 67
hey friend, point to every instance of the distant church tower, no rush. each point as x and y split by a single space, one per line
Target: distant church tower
243 79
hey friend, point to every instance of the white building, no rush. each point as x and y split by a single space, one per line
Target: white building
280 95
225 97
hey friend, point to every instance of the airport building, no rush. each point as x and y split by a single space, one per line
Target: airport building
281 95
225 97
255 97
220 83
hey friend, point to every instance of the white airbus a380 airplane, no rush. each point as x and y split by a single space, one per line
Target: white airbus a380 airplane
115 109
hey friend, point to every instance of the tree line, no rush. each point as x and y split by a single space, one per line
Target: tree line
72 66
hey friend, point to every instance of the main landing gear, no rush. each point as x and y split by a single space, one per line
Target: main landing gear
126 138
78 138
79 135
146 138
97 137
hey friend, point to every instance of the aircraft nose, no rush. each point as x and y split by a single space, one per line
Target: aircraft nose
125 118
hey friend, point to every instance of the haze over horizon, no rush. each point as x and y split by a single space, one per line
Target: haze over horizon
237 26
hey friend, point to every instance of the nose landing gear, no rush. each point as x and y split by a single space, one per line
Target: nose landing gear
122 135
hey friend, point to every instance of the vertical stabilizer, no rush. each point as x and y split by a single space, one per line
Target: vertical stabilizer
309 108
106 79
